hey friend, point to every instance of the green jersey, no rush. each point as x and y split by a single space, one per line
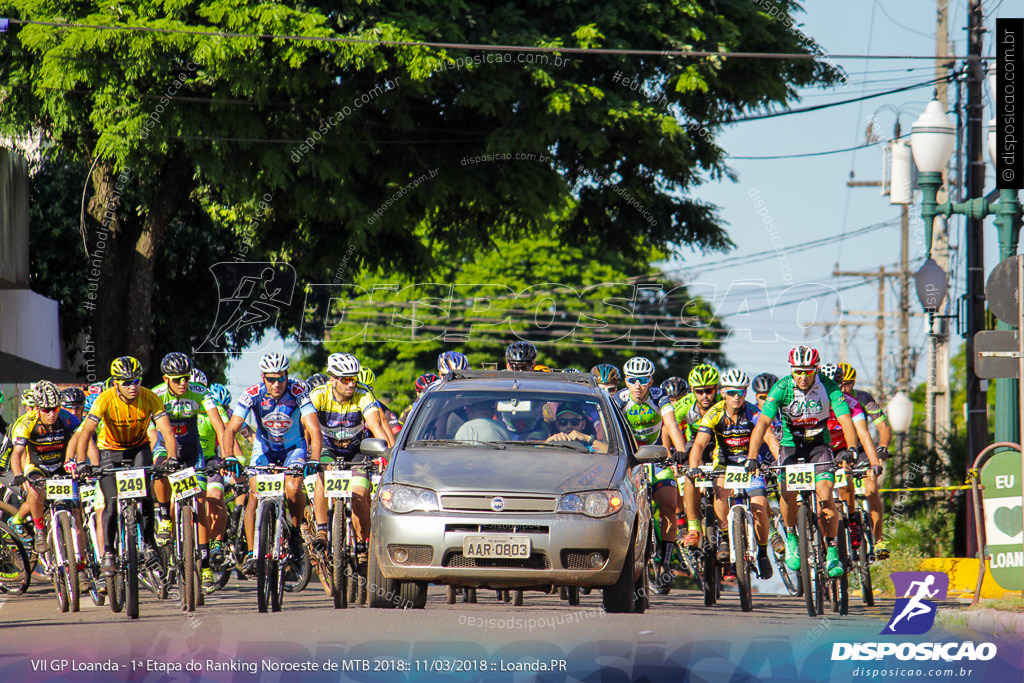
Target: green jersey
688 414
207 434
184 412
804 414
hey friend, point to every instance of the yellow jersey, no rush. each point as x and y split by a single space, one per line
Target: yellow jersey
125 423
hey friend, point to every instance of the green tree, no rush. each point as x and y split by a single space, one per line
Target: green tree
579 305
180 115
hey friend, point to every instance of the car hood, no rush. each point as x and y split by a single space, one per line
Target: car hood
518 470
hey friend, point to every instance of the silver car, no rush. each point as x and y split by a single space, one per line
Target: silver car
512 481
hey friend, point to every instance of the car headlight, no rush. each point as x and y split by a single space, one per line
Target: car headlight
398 498
591 503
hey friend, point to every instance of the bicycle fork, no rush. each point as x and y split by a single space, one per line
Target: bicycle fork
738 514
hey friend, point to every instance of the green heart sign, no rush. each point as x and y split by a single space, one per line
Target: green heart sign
1001 497
1009 520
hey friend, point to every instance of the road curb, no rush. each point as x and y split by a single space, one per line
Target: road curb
996 622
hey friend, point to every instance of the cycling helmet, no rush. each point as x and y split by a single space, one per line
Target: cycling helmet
28 398
425 381
343 365
72 397
89 400
735 378
451 360
804 357
220 394
366 376
573 370
274 362
176 364
638 366
849 374
96 388
199 377
703 375
314 380
606 373
125 368
521 352
541 368
675 387
46 394
301 383
764 382
832 371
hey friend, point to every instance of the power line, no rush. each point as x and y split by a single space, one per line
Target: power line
810 154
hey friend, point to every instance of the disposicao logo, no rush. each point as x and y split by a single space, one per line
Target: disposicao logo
914 614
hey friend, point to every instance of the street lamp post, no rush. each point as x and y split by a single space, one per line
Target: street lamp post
900 412
931 143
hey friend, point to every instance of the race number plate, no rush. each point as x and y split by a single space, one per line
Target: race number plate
309 484
705 483
337 483
800 477
841 479
61 489
131 483
88 492
737 477
858 486
184 484
270 485
496 547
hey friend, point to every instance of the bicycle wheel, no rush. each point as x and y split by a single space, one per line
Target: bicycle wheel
789 577
709 562
58 570
867 541
738 536
15 576
339 555
808 573
690 559
115 582
296 572
265 516
843 582
277 585
92 567
131 532
187 562
66 538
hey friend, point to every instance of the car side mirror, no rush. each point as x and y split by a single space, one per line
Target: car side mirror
375 448
651 453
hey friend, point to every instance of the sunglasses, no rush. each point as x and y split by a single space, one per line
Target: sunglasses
804 373
700 391
568 422
638 380
734 392
177 379
762 397
48 410
346 380
275 380
130 382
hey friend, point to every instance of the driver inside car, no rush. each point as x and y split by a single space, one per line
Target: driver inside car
572 425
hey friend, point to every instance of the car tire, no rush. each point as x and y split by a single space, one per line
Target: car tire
381 592
620 597
412 594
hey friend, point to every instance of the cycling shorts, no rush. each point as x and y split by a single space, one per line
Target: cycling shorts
816 453
662 476
189 455
758 487
296 455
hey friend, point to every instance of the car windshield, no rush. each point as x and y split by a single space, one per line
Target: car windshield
460 418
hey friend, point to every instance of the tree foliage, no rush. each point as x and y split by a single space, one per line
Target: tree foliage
611 144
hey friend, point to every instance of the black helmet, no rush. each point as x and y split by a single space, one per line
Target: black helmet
675 387
763 383
521 352
72 396
176 364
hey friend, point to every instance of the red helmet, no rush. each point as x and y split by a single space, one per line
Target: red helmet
804 357
425 381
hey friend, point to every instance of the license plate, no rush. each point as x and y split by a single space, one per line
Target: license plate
737 477
497 547
309 483
337 483
270 485
61 489
184 484
800 477
131 483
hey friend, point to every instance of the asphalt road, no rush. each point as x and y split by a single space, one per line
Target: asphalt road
228 631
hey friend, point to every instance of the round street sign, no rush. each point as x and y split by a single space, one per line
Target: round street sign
1001 291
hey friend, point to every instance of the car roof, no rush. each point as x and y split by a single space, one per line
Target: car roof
576 383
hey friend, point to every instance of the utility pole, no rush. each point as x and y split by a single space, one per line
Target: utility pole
879 325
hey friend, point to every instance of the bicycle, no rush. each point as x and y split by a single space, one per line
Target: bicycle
15 576
60 562
184 563
92 549
687 559
777 525
123 586
710 567
235 547
862 552
271 548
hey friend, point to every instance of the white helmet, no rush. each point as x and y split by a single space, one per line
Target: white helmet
199 377
638 366
274 362
342 365
735 378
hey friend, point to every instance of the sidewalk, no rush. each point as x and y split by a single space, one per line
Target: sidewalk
994 621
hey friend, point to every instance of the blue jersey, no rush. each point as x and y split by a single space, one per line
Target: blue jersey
278 421
764 453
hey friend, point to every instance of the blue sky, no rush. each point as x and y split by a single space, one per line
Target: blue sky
808 199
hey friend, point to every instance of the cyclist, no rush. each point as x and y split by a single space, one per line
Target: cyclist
608 377
208 442
727 426
345 410
520 355
422 382
875 416
365 382
761 385
316 380
676 388
125 410
73 400
43 445
274 403
867 455
804 400
688 412
648 412
450 361
197 376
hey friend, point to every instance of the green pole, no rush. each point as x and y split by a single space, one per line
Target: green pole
1008 216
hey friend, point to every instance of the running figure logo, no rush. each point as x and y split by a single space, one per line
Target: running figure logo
250 299
914 613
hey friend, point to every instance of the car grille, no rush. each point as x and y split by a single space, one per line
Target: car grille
459 561
418 554
577 559
496 528
512 503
